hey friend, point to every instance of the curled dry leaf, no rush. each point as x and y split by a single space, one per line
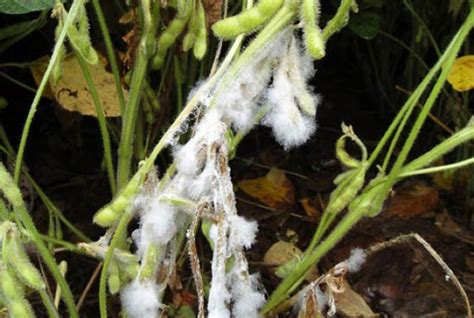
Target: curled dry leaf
413 200
351 304
281 253
72 92
274 189
461 75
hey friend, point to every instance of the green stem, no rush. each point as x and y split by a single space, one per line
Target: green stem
14 196
338 21
44 81
102 121
48 303
136 85
121 228
446 146
446 61
442 168
110 54
423 25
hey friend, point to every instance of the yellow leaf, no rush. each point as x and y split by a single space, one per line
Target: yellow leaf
461 75
72 92
274 189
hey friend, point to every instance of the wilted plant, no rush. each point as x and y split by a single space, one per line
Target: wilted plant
264 83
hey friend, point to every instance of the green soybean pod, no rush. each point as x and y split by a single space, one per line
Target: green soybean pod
200 45
190 37
149 262
169 35
18 260
13 292
248 20
114 278
346 192
110 213
314 41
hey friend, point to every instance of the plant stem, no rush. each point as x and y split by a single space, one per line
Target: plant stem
110 54
446 61
21 214
121 228
34 105
48 303
102 121
136 85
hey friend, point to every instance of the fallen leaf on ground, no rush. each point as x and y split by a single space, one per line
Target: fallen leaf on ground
461 75
411 201
274 189
448 226
350 304
309 206
72 92
286 254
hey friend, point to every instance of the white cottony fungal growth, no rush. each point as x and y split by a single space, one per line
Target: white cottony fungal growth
140 299
247 298
242 232
290 127
157 225
202 175
219 296
356 260
241 100
288 97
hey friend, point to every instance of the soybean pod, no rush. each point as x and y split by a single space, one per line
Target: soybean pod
17 258
247 21
174 29
310 10
190 37
16 303
200 45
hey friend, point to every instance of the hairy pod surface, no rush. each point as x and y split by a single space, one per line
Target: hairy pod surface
169 35
346 191
200 45
13 292
17 259
247 21
114 278
310 10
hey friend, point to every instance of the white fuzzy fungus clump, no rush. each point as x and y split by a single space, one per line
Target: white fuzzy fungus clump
140 299
356 260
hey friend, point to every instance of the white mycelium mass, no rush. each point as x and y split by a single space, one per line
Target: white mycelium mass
274 79
140 299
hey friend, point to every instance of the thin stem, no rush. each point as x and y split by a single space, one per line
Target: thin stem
17 82
442 168
23 218
121 228
110 54
136 85
447 60
48 303
423 25
44 81
102 121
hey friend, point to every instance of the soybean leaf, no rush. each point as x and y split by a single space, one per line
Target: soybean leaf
365 24
25 6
